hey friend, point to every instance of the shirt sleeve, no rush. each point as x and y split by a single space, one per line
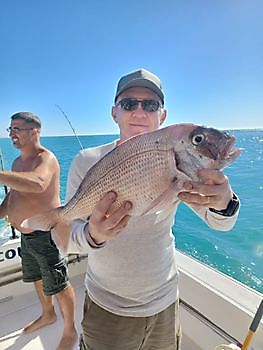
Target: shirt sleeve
78 240
216 221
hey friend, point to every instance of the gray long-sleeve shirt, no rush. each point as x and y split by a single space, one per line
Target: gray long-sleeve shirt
135 274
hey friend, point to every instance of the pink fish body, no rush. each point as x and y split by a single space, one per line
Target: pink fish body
149 170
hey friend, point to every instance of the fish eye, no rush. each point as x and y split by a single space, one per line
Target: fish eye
198 139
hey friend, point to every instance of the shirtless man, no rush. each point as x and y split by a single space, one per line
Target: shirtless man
34 188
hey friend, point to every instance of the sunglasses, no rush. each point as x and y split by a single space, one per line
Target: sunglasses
11 129
131 104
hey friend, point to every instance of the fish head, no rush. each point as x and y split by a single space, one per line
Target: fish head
198 147
215 146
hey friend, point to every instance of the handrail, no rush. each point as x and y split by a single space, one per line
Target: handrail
201 317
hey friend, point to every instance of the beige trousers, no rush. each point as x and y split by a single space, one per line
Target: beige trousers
103 330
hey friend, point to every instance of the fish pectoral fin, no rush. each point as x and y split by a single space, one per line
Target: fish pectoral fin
162 215
167 198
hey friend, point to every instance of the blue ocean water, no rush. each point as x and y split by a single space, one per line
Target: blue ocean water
239 252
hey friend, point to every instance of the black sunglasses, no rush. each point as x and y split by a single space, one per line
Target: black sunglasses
11 129
131 104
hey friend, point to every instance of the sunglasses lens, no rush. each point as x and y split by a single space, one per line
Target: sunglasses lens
129 104
10 129
150 105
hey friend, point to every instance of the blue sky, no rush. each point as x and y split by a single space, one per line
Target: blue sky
208 54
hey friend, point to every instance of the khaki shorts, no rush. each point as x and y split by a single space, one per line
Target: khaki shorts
41 260
103 330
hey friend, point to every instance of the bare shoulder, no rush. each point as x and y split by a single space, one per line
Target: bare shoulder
47 157
46 154
17 164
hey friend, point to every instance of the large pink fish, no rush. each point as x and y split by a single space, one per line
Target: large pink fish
149 170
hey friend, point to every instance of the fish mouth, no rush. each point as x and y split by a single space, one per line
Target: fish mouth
230 153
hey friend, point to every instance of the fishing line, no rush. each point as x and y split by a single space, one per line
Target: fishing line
74 132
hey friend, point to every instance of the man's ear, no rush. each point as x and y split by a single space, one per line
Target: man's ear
114 114
163 116
36 131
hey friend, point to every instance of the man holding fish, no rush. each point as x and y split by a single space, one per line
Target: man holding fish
34 188
132 279
122 198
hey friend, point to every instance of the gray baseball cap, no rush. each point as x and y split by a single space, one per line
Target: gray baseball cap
140 78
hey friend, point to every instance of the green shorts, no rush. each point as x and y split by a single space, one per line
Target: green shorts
41 260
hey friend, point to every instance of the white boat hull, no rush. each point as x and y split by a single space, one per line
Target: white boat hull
10 254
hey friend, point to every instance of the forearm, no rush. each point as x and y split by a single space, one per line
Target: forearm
22 181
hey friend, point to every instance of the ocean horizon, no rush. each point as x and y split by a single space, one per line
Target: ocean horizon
237 253
116 135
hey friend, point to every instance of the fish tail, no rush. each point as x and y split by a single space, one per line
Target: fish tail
45 221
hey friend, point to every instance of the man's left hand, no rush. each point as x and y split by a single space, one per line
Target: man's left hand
214 191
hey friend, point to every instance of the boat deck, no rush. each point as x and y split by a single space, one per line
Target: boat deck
214 309
26 308
19 310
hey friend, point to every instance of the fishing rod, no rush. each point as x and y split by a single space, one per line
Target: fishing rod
14 235
74 132
253 327
78 258
252 330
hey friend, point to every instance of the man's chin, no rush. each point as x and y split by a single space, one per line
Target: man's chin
139 129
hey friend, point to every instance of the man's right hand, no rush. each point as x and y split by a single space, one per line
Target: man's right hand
106 223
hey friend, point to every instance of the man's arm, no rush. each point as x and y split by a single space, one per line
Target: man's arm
36 180
77 240
3 206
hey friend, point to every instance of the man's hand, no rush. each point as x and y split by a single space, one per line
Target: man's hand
106 223
214 191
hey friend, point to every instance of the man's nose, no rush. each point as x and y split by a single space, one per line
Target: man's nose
139 110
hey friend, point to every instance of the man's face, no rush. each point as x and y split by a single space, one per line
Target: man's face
21 133
139 119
